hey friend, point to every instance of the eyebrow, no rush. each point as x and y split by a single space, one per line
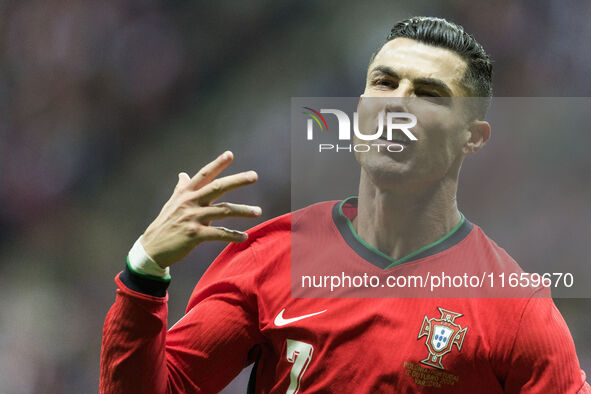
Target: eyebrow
430 82
386 70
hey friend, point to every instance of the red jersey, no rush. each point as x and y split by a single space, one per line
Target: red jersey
243 311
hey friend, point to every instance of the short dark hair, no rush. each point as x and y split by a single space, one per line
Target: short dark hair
439 32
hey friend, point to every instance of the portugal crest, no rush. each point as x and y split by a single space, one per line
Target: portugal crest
441 335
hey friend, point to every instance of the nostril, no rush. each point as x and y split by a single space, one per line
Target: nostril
397 104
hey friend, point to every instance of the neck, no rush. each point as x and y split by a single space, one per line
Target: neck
398 223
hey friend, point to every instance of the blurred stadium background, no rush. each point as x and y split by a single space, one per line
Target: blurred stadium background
103 103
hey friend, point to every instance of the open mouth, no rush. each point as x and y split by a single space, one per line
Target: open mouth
396 139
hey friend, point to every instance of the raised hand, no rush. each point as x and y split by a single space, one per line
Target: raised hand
185 219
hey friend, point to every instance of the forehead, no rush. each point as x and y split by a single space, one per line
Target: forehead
412 59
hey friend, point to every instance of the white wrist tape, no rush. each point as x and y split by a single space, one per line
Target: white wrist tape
142 263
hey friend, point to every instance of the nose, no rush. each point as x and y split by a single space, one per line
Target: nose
392 100
396 104
404 89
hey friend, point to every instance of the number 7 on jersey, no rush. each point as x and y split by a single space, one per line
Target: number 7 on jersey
299 354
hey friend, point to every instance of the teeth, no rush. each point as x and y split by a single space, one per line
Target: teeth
395 138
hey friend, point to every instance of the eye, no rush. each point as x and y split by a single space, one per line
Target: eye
384 82
427 93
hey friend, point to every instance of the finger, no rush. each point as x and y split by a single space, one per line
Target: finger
218 187
210 171
225 210
183 180
211 233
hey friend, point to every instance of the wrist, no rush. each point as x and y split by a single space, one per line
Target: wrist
141 263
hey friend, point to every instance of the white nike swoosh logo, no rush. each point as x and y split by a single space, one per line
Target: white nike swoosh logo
280 321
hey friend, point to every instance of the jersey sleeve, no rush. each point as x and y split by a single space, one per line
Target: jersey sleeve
543 358
216 338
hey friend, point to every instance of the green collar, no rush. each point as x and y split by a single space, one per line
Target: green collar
382 260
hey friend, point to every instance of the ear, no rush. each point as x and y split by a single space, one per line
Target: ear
479 133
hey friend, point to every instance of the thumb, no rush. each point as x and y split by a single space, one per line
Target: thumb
183 179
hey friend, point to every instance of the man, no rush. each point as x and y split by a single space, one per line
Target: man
405 218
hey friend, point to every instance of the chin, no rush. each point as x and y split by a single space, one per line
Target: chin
399 176
387 174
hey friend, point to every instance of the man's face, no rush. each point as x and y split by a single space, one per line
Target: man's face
408 76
